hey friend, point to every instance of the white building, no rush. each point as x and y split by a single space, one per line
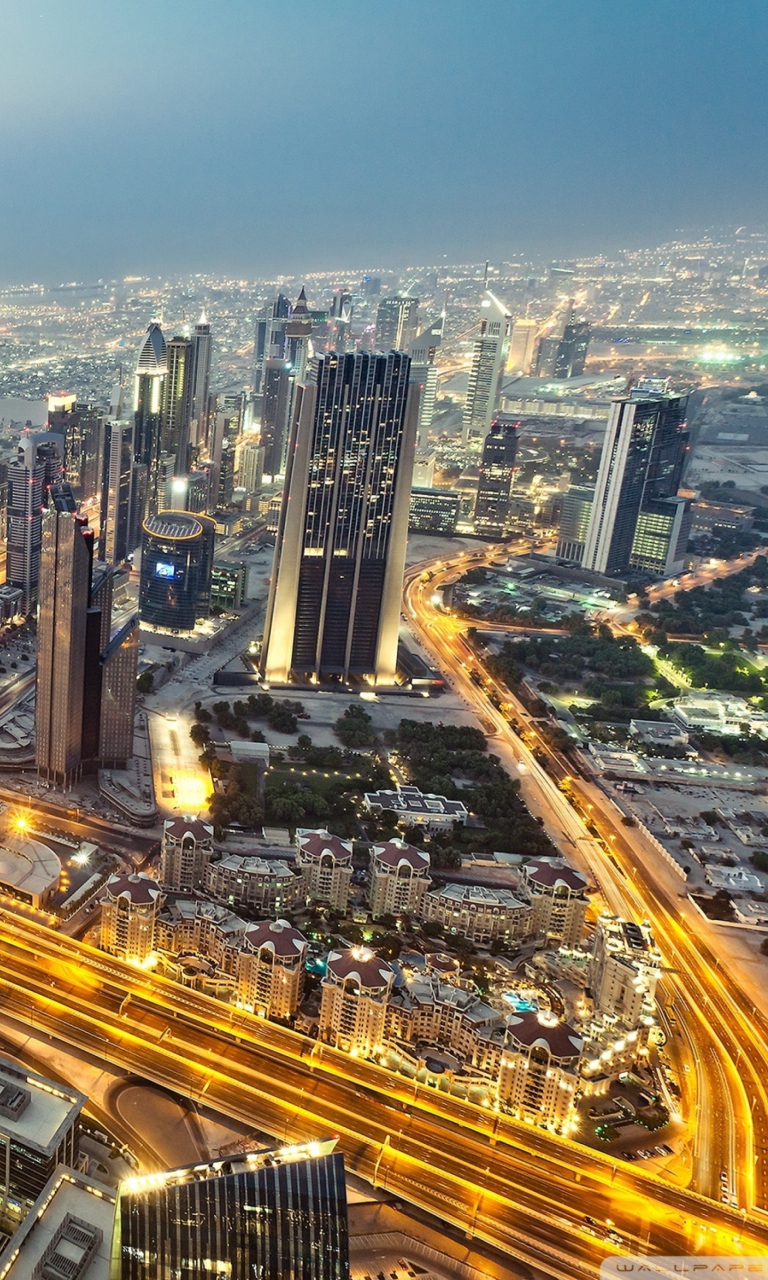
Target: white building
557 898
325 862
186 850
353 1006
411 807
270 969
658 733
482 914
624 971
720 714
399 879
539 1072
129 912
431 1013
191 927
269 886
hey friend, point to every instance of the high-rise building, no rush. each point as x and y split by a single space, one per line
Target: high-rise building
250 465
434 510
558 899
176 564
539 1072
39 1131
129 910
186 850
325 862
270 969
115 528
340 320
199 381
334 606
38 465
574 522
176 405
80 427
396 323
545 359
297 333
489 357
624 972
399 879
276 402
423 351
353 1005
522 346
572 349
272 1214
269 343
497 470
86 678
638 520
151 368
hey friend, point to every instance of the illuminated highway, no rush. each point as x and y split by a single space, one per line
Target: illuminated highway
517 1187
727 1035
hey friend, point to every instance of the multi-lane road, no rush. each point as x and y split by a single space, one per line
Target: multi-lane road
728 1036
522 1190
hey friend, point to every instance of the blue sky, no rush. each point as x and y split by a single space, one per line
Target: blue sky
251 137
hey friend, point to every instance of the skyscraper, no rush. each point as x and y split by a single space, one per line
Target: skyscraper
272 1214
200 376
334 605
176 564
38 465
489 357
86 679
574 522
176 405
572 349
276 401
396 323
269 342
522 345
151 369
423 352
116 492
79 424
637 519
340 320
497 469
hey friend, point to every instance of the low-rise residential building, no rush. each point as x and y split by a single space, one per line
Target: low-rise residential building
186 850
624 971
558 900
325 862
413 808
269 886
658 733
191 926
129 911
399 879
433 1014
482 914
539 1072
270 969
353 1006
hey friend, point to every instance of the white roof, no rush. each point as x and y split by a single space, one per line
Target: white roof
29 865
66 1193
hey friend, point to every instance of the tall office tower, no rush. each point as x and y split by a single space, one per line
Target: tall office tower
65 584
176 406
334 606
489 357
522 346
297 333
226 473
545 359
176 566
269 343
78 425
340 320
574 522
116 493
370 286
139 501
37 466
272 1214
396 323
423 352
250 465
497 469
86 679
151 369
637 520
572 349
276 403
199 381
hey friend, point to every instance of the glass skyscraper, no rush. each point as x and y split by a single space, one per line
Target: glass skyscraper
334 605
270 1215
176 565
497 469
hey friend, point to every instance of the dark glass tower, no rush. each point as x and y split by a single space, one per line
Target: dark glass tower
639 475
176 410
497 470
572 349
176 565
279 1215
334 604
116 492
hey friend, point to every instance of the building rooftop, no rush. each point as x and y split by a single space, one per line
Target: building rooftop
543 1030
178 828
362 965
411 800
69 1228
35 1110
316 843
395 853
29 865
249 865
174 524
278 935
555 875
140 888
477 895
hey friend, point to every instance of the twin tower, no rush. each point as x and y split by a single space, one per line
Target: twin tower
334 605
